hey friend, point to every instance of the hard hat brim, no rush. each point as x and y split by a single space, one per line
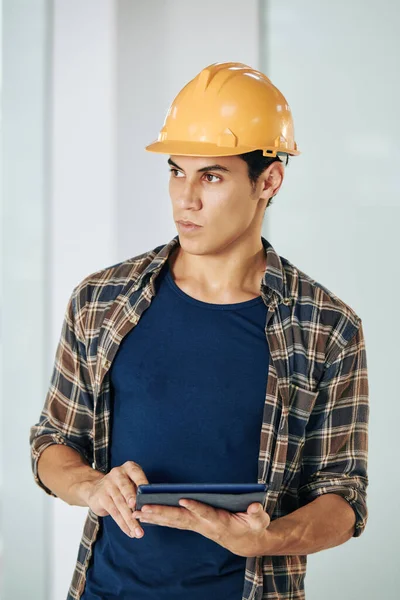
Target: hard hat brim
206 149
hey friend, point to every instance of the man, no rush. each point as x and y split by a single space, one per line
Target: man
245 369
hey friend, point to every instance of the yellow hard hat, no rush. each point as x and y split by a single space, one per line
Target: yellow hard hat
228 108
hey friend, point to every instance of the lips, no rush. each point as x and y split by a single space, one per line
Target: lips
189 223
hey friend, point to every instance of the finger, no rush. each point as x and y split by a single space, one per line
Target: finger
255 508
258 516
254 511
209 521
201 509
123 514
165 515
162 511
128 490
121 480
114 513
137 475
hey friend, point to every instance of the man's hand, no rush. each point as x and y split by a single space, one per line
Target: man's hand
243 533
115 495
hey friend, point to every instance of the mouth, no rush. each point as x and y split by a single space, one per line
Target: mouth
188 226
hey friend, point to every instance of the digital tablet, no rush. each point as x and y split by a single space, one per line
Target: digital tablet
234 497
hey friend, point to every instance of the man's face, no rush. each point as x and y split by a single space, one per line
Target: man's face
221 200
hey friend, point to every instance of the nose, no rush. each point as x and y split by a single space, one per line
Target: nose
188 196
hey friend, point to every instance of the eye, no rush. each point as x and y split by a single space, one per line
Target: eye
211 175
174 171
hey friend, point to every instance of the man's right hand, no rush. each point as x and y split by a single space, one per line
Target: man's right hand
115 495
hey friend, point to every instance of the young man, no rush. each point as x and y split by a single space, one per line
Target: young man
209 359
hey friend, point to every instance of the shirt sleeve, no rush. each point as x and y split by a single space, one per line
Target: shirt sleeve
67 415
335 451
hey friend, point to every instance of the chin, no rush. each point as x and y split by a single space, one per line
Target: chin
193 246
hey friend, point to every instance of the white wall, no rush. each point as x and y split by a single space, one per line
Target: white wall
116 66
83 207
337 217
24 329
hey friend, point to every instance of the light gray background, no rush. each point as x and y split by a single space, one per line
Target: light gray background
86 85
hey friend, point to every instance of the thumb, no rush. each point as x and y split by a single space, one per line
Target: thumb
254 508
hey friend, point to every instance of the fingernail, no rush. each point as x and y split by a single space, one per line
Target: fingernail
138 531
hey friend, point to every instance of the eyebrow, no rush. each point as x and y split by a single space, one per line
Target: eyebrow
203 169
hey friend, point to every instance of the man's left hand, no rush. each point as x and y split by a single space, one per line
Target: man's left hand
243 533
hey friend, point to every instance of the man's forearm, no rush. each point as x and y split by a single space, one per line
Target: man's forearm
325 522
63 470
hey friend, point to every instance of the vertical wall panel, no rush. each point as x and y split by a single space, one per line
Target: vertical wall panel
24 254
337 217
161 46
83 207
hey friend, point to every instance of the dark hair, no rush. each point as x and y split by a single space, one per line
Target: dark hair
257 163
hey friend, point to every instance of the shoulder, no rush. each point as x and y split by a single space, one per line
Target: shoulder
318 309
103 286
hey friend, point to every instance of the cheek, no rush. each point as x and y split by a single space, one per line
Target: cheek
171 186
230 207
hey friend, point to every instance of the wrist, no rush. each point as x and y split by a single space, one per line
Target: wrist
273 540
80 491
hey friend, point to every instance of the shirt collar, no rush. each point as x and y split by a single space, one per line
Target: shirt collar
274 283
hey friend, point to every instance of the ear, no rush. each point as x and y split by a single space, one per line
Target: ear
272 179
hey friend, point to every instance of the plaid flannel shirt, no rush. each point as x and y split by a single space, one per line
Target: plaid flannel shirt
314 435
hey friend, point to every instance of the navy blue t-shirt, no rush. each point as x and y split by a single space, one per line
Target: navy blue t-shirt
188 392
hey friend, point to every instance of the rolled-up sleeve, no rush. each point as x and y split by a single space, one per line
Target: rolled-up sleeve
335 453
67 414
